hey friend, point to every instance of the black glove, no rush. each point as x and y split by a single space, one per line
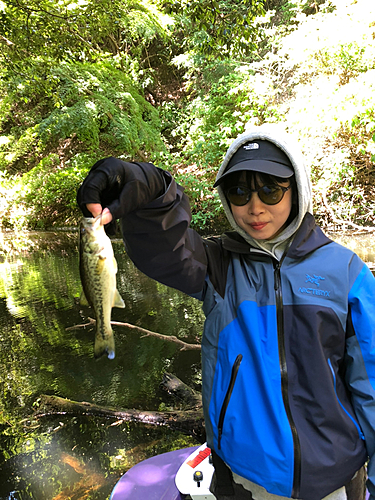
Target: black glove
121 186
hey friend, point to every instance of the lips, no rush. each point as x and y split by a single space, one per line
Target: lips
258 225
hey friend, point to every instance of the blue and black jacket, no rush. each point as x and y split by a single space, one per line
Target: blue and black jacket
288 350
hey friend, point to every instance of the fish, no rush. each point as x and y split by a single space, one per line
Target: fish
98 269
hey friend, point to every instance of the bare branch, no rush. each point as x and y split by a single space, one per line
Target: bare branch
184 346
336 220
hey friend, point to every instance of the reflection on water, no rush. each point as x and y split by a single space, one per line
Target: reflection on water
65 457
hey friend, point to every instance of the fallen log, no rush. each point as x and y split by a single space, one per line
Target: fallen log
187 421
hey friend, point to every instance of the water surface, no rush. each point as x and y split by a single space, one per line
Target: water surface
80 457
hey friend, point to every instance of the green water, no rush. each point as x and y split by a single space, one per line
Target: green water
81 457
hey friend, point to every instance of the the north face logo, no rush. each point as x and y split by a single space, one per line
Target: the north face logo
252 145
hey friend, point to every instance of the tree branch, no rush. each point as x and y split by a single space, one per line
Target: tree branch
184 346
336 220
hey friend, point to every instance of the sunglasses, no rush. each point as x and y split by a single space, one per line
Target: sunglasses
270 195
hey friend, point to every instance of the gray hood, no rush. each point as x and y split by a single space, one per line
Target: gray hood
272 133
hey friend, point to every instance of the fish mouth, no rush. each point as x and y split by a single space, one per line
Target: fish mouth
89 223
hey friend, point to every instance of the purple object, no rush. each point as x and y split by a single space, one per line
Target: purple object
152 479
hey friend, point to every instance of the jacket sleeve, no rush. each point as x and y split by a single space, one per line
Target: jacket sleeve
360 361
160 243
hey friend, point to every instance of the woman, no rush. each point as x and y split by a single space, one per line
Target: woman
287 363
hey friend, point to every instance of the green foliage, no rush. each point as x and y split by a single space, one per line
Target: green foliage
347 181
211 121
45 30
98 103
56 186
345 60
45 196
13 149
363 128
82 113
287 13
313 59
217 29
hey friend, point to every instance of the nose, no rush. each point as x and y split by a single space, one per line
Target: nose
255 206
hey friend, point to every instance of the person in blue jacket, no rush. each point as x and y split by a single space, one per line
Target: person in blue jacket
288 348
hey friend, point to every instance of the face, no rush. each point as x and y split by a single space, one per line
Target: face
261 221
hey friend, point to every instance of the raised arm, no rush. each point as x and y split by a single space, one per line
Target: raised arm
155 217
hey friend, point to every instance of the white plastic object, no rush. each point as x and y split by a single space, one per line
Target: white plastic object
198 461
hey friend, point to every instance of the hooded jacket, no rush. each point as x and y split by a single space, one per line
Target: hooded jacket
288 348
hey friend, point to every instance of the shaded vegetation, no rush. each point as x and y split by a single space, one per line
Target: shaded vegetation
174 83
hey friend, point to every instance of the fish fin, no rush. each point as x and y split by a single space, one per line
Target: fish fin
118 301
104 345
83 299
100 265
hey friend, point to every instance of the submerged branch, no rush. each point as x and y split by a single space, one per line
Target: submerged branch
169 338
184 346
188 421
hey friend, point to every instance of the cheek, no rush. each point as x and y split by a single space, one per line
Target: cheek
237 212
286 209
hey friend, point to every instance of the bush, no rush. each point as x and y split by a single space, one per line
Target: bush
46 195
53 134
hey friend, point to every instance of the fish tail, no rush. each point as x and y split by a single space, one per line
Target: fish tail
104 343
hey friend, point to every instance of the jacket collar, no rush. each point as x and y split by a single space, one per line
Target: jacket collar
308 238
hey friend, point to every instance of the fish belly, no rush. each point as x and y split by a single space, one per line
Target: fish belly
99 285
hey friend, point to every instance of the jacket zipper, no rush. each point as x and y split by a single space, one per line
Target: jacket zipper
359 430
284 379
235 368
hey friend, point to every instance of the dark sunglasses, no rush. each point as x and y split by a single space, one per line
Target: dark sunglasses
270 195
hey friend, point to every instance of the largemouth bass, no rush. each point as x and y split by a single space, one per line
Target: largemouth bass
98 268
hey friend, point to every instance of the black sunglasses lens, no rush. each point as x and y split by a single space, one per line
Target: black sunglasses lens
238 196
271 195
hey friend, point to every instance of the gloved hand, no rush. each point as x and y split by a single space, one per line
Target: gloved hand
121 186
